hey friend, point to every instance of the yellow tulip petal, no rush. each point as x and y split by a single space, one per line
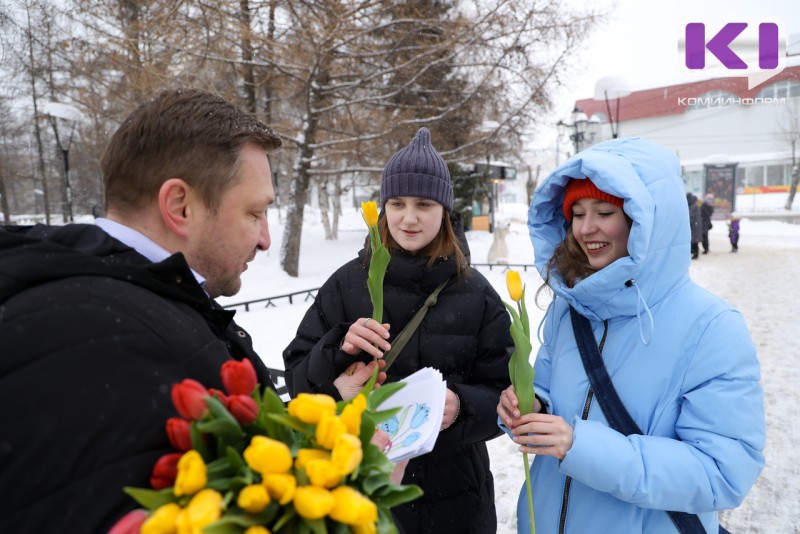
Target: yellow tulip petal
514 283
267 455
280 487
310 408
163 520
253 498
192 474
312 502
347 454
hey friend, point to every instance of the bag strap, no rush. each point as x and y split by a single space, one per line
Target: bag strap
404 336
607 397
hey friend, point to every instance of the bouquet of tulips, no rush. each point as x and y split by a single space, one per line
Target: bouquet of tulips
245 463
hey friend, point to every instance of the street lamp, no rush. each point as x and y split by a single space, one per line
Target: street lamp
69 117
581 129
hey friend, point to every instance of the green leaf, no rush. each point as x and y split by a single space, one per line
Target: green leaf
377 271
523 315
317 526
293 423
272 404
199 442
151 499
398 496
380 395
520 369
235 460
222 428
288 515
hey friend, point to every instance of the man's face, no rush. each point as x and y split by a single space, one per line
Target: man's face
222 244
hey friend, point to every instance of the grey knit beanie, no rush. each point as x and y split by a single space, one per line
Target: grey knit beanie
418 171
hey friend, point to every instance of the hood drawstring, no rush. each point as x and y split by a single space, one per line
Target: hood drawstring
641 304
550 311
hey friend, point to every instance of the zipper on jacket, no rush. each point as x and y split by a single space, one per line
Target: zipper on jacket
584 415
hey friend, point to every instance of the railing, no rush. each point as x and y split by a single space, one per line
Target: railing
311 293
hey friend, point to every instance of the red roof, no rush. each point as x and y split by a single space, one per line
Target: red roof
662 101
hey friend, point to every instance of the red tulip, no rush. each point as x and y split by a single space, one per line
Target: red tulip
221 396
130 523
243 408
165 471
179 433
239 377
187 396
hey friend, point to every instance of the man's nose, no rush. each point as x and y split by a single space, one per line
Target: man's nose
264 240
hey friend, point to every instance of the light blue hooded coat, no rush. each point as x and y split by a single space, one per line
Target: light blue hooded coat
680 358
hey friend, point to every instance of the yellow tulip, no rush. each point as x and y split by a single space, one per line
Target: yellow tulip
370 211
347 454
514 283
253 498
310 408
257 529
323 473
306 455
329 428
203 509
267 455
312 502
163 520
280 487
352 508
364 529
351 415
192 474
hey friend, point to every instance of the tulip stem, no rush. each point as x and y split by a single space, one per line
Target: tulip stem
528 488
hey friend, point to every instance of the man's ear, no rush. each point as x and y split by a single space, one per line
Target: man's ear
175 205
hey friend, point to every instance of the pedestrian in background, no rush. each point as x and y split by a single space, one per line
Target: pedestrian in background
694 224
733 234
706 211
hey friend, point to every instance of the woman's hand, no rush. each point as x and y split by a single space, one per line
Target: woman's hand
381 440
352 381
452 409
541 433
508 408
366 335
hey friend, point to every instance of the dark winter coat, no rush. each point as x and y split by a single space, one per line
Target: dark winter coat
706 211
694 218
465 336
92 336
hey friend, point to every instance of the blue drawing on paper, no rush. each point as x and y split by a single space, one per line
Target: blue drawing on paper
399 426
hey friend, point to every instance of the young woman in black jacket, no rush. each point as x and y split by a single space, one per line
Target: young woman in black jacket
465 336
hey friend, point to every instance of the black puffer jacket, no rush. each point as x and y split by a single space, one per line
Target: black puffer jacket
92 337
466 336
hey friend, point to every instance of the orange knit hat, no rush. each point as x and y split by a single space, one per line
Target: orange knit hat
578 189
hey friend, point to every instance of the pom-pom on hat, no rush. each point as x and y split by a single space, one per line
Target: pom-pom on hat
418 171
578 189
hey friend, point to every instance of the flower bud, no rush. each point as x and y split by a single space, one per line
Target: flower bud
514 283
347 454
239 377
267 455
203 509
179 433
163 521
370 212
306 455
352 508
351 414
188 397
312 502
257 529
130 523
310 408
165 470
280 487
219 395
323 473
253 498
243 408
192 474
329 428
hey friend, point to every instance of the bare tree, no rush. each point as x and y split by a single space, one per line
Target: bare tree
791 135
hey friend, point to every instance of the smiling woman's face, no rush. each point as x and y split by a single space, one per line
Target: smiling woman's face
413 221
601 229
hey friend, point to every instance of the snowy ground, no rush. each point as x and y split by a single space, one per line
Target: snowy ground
761 280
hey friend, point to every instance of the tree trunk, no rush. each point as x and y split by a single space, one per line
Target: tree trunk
337 205
298 190
248 75
324 201
792 187
4 199
36 129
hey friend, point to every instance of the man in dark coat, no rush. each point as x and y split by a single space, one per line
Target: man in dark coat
694 224
97 322
706 211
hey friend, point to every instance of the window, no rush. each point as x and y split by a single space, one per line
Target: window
781 89
713 99
774 174
754 176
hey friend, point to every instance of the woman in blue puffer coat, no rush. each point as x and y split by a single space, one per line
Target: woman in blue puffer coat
610 231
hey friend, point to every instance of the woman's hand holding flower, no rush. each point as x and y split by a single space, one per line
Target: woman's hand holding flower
352 381
366 335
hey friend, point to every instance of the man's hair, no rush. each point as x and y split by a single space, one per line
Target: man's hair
185 133
445 244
